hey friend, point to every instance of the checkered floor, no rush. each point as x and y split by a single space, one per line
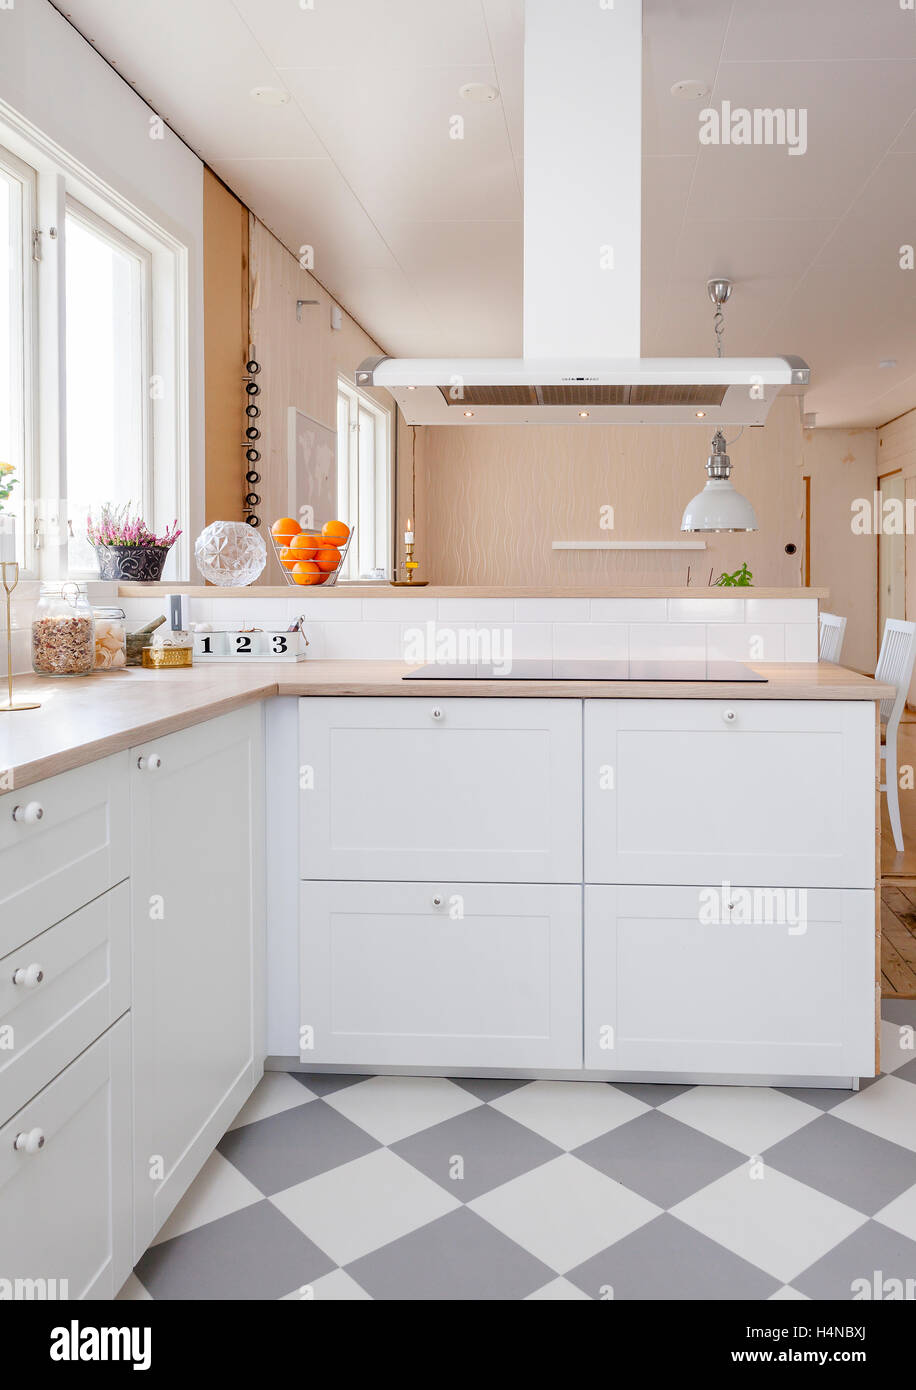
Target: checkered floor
342 1187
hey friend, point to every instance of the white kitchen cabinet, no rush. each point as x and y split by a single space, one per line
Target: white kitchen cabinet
198 896
441 975
65 1179
420 787
677 983
63 841
775 792
60 991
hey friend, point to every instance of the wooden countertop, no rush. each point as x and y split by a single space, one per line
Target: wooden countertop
84 719
383 590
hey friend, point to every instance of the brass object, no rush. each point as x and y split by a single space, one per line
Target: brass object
136 641
159 657
410 564
10 571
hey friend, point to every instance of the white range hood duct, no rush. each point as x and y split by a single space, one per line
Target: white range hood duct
583 261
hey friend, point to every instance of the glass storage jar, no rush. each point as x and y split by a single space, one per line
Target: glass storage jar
110 638
63 641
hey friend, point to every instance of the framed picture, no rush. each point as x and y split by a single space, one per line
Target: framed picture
311 452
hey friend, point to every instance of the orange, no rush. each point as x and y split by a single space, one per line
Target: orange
288 557
305 572
284 529
327 558
336 532
305 545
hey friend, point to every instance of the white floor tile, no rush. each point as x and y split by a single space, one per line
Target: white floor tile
391 1107
133 1292
564 1212
887 1109
787 1293
776 1223
334 1287
748 1118
570 1113
900 1214
218 1190
363 1205
275 1091
557 1290
896 1045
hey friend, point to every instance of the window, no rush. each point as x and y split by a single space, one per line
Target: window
364 482
108 444
17 184
93 358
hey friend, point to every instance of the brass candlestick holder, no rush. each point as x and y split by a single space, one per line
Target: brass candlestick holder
410 564
10 579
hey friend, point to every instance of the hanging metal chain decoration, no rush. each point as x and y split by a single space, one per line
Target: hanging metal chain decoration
252 499
719 290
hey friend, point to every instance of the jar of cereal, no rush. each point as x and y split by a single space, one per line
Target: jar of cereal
63 631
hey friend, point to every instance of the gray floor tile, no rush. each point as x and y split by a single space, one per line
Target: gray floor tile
285 1149
824 1097
325 1085
648 1093
493 1148
660 1158
667 1260
873 1253
460 1257
899 1010
846 1162
254 1253
487 1087
907 1071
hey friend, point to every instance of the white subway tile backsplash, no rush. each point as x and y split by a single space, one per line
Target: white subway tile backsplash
530 640
484 610
780 610
801 642
323 608
347 640
746 642
590 641
672 641
400 610
551 610
628 610
705 610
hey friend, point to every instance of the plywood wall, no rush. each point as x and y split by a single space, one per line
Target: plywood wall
495 498
300 362
225 346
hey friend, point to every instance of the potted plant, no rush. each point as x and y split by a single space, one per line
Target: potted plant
126 547
7 523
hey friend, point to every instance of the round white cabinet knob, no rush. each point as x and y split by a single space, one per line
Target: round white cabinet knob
729 716
28 975
29 1143
29 814
149 762
437 901
436 712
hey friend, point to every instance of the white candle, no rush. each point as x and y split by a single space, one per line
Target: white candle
408 534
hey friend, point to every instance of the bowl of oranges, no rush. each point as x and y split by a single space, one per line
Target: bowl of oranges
310 555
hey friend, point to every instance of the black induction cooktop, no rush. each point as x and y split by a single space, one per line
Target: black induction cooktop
547 670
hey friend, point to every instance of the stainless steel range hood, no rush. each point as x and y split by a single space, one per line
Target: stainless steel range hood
583 249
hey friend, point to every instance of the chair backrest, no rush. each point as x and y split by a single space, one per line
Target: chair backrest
895 665
832 632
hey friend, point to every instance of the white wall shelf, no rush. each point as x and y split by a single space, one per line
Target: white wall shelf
629 545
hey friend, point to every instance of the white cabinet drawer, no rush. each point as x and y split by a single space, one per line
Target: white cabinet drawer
489 975
72 853
753 791
673 985
65 1208
84 985
419 788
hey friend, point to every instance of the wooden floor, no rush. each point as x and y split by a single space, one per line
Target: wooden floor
898 878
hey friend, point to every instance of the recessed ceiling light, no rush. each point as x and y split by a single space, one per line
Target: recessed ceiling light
583 414
478 91
690 89
468 414
701 414
411 388
888 362
270 96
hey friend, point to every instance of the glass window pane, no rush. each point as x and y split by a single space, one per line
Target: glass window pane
105 394
12 345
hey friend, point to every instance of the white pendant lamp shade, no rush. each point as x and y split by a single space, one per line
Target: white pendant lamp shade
718 507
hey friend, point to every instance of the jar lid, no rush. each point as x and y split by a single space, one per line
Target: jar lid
62 588
108 613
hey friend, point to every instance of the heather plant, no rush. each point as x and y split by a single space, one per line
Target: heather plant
118 526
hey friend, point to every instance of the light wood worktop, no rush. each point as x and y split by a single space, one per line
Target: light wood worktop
84 719
383 590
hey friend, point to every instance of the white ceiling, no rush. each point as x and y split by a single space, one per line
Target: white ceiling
419 236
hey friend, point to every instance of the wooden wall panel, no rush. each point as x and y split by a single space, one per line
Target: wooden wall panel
225 347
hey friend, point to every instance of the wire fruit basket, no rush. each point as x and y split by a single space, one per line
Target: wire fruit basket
318 555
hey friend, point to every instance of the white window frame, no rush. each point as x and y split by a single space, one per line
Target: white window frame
62 179
24 387
375 550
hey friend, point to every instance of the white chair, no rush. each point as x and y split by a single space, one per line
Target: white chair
832 632
895 667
